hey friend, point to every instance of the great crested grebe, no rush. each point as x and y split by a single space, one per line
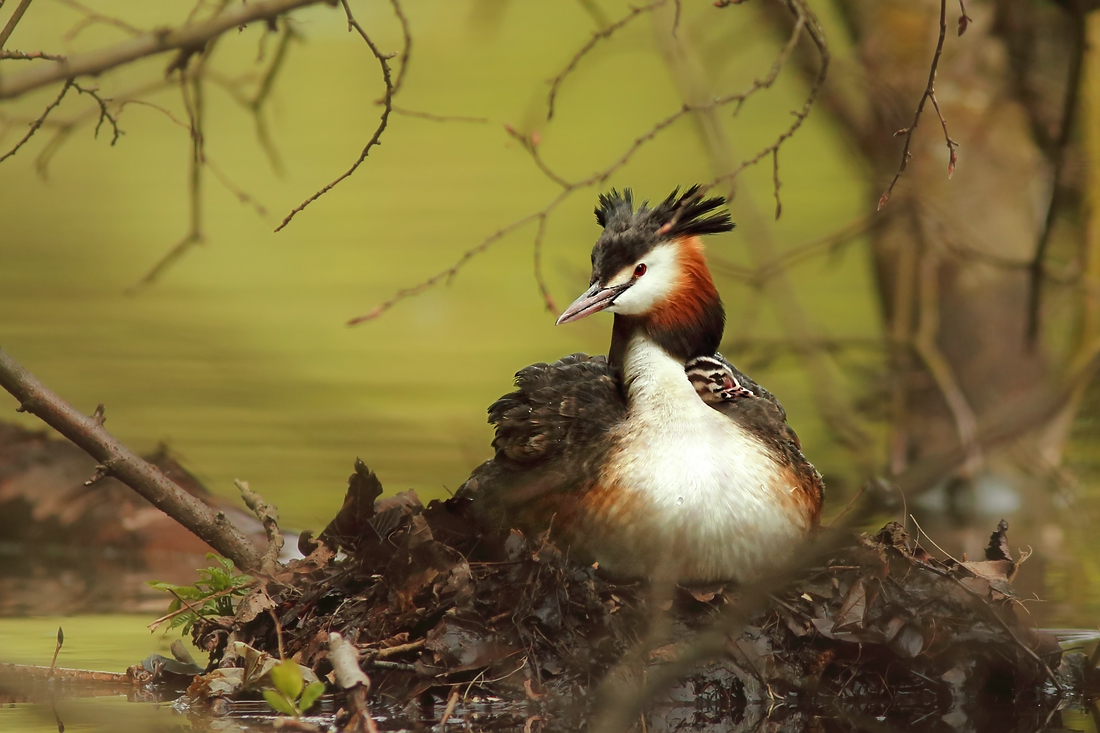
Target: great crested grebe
661 460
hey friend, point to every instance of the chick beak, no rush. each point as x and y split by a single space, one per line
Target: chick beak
593 300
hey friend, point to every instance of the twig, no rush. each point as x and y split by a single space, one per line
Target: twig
406 47
38 122
163 110
392 651
263 92
16 16
759 277
543 289
1057 190
848 507
267 82
530 143
964 19
992 613
243 196
104 114
924 342
928 94
91 17
152 626
449 272
804 18
186 605
6 55
193 102
920 531
598 178
437 118
144 478
189 36
387 107
604 33
268 515
452 701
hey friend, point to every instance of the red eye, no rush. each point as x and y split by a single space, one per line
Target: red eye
639 270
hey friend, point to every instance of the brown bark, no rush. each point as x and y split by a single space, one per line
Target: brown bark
116 460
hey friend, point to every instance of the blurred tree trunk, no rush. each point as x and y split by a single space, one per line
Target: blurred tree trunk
952 256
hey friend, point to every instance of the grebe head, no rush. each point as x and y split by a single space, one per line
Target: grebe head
649 261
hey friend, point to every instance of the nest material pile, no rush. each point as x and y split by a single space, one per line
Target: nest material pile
434 604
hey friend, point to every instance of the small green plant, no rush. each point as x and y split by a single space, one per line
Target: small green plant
291 695
211 595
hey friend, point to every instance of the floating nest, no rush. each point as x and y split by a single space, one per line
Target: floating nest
438 609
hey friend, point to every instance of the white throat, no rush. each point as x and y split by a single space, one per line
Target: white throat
714 491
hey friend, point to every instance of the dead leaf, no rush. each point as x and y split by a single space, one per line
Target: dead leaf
853 609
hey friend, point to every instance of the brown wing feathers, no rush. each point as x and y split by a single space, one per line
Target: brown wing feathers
557 408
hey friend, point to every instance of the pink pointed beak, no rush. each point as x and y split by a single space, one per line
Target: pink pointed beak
593 300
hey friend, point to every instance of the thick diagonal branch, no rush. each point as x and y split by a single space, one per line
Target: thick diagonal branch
118 461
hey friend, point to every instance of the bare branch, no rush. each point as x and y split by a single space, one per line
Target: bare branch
104 114
598 178
759 276
530 143
193 101
387 107
607 32
804 18
144 478
13 21
1057 190
924 343
544 291
243 196
38 122
37 55
928 94
406 47
190 36
448 273
437 118
66 129
91 18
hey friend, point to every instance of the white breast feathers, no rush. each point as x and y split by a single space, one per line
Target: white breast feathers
713 502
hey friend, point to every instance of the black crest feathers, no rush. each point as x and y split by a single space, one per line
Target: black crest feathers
684 214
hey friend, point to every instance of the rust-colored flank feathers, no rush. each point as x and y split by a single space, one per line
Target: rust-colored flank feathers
662 459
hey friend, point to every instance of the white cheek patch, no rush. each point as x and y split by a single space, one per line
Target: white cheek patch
662 271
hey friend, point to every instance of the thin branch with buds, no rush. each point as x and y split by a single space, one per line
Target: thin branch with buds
804 18
601 35
387 108
929 94
191 89
192 36
568 188
35 56
37 123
